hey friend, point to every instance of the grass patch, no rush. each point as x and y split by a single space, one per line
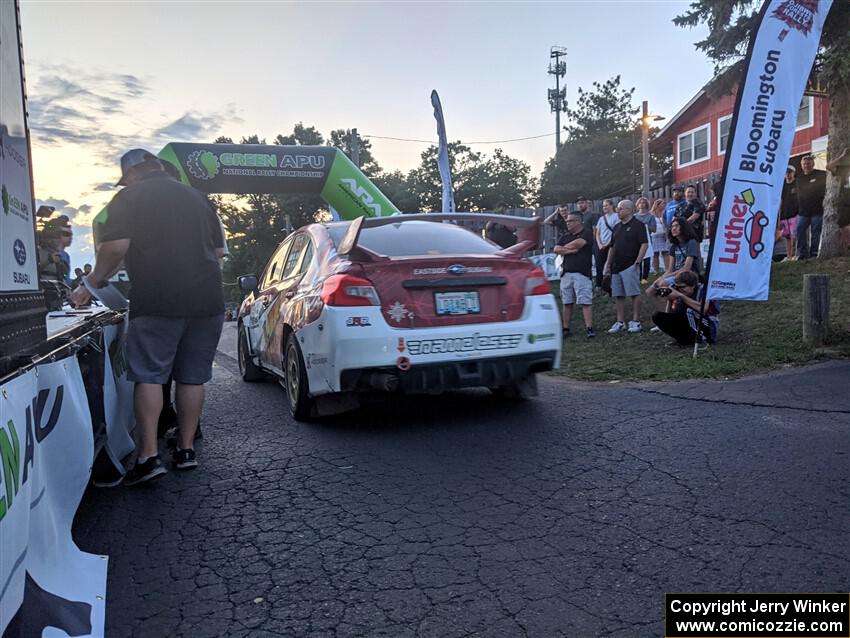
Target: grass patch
753 335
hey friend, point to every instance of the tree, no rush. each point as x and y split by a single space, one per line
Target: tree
607 108
596 160
731 24
398 190
479 182
341 139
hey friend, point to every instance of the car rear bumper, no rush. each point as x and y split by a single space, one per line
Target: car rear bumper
449 375
346 342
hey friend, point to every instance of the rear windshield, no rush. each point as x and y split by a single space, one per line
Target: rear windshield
416 238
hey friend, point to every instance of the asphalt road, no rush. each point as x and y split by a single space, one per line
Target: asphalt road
569 515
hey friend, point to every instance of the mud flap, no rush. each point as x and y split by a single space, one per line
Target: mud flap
335 403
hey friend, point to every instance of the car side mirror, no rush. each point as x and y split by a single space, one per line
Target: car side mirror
248 283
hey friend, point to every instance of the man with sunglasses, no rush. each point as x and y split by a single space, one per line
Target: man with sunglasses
576 249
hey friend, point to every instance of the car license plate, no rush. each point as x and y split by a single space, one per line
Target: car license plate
457 303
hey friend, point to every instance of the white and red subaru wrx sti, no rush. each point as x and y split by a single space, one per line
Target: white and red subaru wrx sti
398 304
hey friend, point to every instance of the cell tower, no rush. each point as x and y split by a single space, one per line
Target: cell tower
558 96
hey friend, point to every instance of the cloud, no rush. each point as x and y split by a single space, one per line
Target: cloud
82 247
104 113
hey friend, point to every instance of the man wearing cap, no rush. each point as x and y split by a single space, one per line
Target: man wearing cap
673 204
788 212
166 234
811 188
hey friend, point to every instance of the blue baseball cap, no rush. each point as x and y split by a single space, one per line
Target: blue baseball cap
131 159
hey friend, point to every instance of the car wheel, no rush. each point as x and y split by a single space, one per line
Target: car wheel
758 247
249 371
295 381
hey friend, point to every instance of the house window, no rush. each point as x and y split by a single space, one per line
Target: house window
723 126
806 114
693 145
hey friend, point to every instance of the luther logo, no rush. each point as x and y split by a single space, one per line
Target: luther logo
747 225
797 14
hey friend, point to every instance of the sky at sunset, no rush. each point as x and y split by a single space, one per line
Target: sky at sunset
103 77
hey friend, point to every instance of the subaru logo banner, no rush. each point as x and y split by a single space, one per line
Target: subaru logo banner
456 269
782 50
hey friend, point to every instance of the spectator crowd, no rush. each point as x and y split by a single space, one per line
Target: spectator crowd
615 252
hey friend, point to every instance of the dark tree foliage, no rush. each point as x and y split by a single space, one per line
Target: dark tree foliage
479 182
596 160
731 24
341 139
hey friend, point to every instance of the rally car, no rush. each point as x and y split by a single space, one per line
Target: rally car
401 304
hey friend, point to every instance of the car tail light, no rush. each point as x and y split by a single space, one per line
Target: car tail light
348 290
537 284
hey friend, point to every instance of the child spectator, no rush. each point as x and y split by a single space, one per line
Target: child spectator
660 246
648 220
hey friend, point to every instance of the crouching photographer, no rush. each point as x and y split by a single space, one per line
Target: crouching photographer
681 315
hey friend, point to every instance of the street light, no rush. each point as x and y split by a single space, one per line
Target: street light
645 119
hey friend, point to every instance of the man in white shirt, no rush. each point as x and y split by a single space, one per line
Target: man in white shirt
602 234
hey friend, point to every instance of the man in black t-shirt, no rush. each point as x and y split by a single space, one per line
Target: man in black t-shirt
165 233
811 187
576 249
628 247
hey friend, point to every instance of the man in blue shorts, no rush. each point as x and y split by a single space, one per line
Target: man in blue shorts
169 237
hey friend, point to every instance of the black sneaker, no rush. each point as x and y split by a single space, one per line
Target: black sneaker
590 333
173 433
184 459
144 472
566 332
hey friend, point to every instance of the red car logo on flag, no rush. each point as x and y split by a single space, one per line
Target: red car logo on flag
754 232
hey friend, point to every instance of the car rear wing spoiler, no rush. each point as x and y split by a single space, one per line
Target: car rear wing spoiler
527 228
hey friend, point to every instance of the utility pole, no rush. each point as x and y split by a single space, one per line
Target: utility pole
645 119
558 96
644 146
355 148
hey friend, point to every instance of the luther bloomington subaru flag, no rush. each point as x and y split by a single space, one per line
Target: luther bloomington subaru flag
779 62
443 156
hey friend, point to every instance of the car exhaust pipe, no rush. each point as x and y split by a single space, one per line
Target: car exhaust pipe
383 381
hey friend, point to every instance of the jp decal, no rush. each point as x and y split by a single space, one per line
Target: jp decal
358 321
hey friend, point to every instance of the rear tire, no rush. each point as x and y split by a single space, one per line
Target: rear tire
250 371
295 381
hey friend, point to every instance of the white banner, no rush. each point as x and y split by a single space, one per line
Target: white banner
48 587
763 128
18 261
117 396
549 263
443 156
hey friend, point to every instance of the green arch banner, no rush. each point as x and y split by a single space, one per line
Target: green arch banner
270 168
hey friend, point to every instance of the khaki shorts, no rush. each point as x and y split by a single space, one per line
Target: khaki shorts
576 288
159 348
625 283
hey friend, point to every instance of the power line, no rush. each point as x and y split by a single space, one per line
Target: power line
404 139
